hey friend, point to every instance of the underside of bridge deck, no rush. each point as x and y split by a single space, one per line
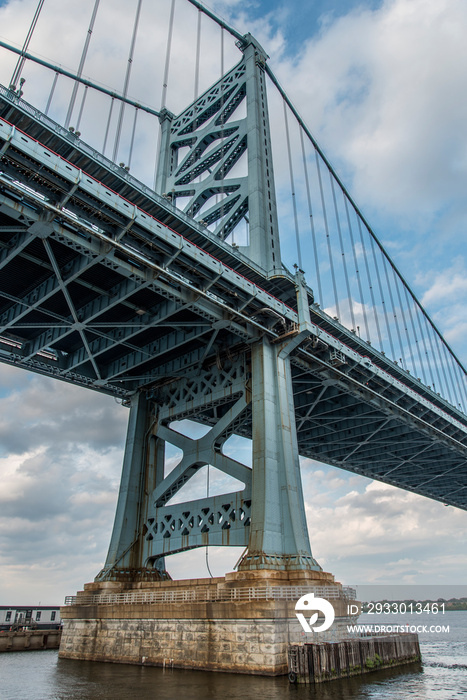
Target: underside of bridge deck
103 283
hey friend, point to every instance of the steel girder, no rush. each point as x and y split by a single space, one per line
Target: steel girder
377 438
202 274
98 292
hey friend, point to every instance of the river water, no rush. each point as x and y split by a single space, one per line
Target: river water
41 675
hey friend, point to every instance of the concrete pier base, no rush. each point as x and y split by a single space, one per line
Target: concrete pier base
243 622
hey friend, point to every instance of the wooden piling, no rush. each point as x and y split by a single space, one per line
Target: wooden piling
326 661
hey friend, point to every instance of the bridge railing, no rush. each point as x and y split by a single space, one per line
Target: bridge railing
72 138
216 595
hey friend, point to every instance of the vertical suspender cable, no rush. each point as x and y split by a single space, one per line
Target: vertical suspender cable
222 52
429 364
198 50
164 84
127 81
167 55
52 90
393 307
414 333
357 271
440 366
447 360
220 198
461 379
463 386
312 222
383 301
292 185
404 320
344 262
107 128
370 282
133 132
326 226
21 60
463 383
443 371
82 107
435 365
81 64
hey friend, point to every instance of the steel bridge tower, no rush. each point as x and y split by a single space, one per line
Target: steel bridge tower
247 394
151 297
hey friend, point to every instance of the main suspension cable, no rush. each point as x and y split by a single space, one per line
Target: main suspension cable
427 318
84 81
218 20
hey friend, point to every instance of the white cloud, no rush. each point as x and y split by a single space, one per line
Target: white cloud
381 534
446 295
382 88
60 468
448 285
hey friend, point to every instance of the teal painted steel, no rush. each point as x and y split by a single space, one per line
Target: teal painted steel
168 316
343 388
202 173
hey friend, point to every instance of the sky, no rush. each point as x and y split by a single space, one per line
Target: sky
382 87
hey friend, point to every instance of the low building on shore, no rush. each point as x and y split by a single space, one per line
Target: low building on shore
21 616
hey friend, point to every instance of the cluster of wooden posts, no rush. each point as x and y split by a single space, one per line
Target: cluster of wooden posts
318 662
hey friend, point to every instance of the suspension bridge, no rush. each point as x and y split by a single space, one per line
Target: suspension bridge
146 252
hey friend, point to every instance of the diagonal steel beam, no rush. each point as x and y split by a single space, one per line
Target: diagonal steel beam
15 246
44 291
77 324
168 343
88 312
197 453
119 335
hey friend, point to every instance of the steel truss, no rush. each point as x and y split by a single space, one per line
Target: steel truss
107 285
215 144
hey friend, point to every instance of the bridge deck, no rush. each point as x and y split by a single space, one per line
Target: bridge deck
106 285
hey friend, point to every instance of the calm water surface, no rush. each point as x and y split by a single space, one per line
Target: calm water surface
41 675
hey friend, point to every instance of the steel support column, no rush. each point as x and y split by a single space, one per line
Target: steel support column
263 245
279 536
143 470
